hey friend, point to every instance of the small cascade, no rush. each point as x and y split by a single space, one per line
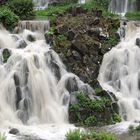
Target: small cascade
120 73
121 6
33 25
41 4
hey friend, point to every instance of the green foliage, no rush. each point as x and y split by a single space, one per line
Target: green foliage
89 135
7 18
90 121
98 90
74 135
133 15
134 130
22 8
53 10
91 110
2 136
116 117
61 37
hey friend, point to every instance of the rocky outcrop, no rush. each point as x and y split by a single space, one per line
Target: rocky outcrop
82 38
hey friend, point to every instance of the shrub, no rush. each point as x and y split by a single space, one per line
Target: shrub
7 18
22 8
73 135
89 135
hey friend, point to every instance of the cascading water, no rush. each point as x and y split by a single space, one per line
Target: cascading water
121 6
41 4
120 73
35 86
33 25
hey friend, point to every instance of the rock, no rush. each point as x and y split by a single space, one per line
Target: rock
36 61
79 47
71 35
95 31
21 44
18 96
16 79
96 21
56 69
76 55
31 38
63 29
71 84
86 89
14 131
6 53
49 38
138 42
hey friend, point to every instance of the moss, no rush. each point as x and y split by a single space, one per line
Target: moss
116 118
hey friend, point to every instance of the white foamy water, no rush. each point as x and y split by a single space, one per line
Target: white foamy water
120 73
121 6
35 88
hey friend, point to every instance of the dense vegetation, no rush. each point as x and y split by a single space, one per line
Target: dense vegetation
13 10
8 18
89 112
22 8
89 135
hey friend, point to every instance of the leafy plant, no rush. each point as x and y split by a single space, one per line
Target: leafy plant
22 8
7 18
89 135
74 135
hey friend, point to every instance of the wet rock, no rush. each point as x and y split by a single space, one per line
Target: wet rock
31 38
14 131
71 84
6 53
18 96
56 69
49 38
86 89
36 61
138 42
16 80
21 44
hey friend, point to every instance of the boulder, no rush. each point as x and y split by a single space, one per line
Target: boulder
31 38
6 53
14 131
138 42
71 84
49 38
71 35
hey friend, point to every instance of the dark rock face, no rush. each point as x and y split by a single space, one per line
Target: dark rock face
138 42
31 38
88 36
14 131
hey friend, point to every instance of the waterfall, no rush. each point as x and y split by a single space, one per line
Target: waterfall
35 86
41 4
120 73
121 6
